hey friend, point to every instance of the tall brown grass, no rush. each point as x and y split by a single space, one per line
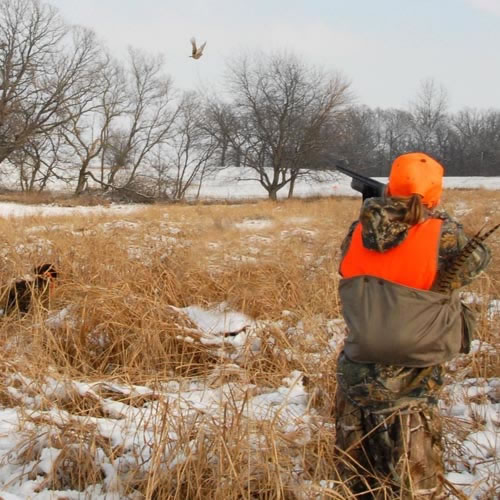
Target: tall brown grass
118 275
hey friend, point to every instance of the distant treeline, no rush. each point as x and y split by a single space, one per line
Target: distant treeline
466 142
71 112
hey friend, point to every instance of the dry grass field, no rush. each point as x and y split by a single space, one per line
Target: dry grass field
113 393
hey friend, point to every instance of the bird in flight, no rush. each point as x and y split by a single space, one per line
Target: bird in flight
197 51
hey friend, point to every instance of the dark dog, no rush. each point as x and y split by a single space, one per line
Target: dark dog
22 292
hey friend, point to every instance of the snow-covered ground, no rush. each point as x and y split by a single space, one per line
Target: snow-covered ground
472 459
224 186
133 427
8 209
31 456
227 185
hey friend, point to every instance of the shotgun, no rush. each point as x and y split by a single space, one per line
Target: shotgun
369 188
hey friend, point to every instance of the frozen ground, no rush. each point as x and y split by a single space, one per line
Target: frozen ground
33 424
224 186
30 456
227 186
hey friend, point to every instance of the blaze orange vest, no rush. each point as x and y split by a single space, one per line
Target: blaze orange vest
413 263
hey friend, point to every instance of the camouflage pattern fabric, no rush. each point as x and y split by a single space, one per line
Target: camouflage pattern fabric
386 416
381 387
386 430
383 229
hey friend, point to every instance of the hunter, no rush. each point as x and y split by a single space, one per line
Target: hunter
400 300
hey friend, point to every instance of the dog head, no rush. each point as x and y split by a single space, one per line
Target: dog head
46 273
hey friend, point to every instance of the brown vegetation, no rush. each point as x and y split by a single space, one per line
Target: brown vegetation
118 275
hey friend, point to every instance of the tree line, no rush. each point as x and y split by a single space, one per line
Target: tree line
71 112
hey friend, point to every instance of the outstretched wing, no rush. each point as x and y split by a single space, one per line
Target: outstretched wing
193 43
200 50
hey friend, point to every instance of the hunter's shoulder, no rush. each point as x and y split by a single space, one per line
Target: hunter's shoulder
445 217
451 227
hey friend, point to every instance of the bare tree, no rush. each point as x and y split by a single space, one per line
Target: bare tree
219 120
147 120
190 149
44 71
87 133
224 123
475 142
428 117
371 139
354 137
281 106
37 162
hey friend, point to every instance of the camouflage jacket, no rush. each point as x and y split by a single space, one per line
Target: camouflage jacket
383 229
377 386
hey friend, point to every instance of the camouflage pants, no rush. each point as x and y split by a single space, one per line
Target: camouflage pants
388 436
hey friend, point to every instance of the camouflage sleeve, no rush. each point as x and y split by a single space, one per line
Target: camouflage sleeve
453 240
344 246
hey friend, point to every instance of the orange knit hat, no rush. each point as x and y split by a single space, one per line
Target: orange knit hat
416 173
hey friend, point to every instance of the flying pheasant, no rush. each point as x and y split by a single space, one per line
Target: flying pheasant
197 51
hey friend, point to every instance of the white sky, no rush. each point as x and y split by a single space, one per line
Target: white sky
384 47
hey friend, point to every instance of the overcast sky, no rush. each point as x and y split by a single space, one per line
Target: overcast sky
386 48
